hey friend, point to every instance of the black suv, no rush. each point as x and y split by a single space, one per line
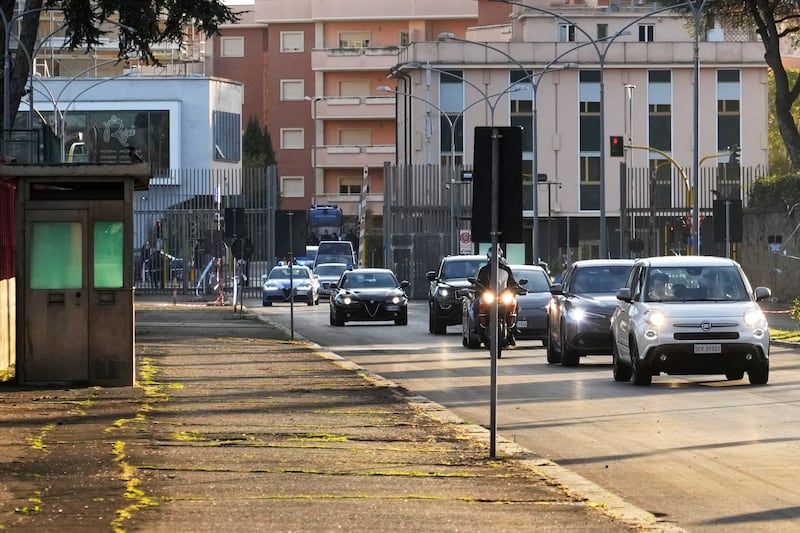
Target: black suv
444 307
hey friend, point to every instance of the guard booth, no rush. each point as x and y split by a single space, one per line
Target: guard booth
74 229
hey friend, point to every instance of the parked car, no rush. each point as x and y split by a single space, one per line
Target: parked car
327 273
579 315
532 306
369 294
444 304
690 315
531 319
283 281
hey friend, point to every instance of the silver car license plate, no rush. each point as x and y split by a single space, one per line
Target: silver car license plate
707 348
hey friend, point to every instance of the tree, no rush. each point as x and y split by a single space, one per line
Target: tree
142 23
257 146
776 22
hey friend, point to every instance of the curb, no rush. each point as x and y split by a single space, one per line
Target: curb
572 483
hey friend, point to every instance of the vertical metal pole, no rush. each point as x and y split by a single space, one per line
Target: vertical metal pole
290 214
535 244
494 344
727 229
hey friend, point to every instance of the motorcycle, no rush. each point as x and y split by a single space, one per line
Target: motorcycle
506 312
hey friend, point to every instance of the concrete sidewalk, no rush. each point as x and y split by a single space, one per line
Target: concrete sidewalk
233 427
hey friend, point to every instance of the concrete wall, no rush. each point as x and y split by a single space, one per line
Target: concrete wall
778 271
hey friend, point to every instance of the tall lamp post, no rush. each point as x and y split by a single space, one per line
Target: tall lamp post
314 100
452 123
601 58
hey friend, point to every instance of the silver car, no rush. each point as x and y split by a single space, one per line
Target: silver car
326 274
689 315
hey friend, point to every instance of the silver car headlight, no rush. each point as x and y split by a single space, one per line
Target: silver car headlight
753 317
656 319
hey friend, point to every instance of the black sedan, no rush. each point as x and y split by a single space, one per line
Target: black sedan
532 306
369 294
579 315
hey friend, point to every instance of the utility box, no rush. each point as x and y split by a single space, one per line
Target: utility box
75 314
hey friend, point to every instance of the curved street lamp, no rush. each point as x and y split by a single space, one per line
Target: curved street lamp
452 123
601 58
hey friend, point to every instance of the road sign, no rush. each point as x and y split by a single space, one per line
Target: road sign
464 241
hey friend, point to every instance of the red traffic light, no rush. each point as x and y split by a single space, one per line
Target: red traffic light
617 146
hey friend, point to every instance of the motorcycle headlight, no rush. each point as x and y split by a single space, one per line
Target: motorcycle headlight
655 318
506 297
487 297
753 317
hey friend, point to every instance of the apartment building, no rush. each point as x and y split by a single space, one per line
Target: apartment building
311 69
572 76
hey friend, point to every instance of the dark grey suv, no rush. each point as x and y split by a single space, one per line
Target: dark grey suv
444 306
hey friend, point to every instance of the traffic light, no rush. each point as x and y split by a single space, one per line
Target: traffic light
159 230
617 146
736 155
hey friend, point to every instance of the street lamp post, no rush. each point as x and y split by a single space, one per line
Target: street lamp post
601 58
314 100
452 122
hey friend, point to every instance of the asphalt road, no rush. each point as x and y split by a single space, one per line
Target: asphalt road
708 454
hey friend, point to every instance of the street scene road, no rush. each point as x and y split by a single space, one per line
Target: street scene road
708 454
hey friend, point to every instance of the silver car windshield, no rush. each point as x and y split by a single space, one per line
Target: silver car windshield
685 284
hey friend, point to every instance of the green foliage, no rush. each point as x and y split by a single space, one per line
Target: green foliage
257 151
775 190
151 21
779 162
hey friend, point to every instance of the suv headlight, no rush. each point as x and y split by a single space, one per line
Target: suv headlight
655 318
443 292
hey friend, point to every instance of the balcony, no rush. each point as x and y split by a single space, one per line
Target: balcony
339 156
355 58
356 107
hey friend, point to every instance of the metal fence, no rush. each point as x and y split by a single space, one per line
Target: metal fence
179 230
181 245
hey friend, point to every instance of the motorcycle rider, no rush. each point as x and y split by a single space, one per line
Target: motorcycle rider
506 281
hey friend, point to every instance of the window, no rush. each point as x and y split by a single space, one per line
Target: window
292 186
292 90
589 139
292 139
404 38
227 136
522 115
659 99
646 33
232 46
56 255
354 39
350 186
602 31
108 255
355 137
355 88
291 41
728 109
566 33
